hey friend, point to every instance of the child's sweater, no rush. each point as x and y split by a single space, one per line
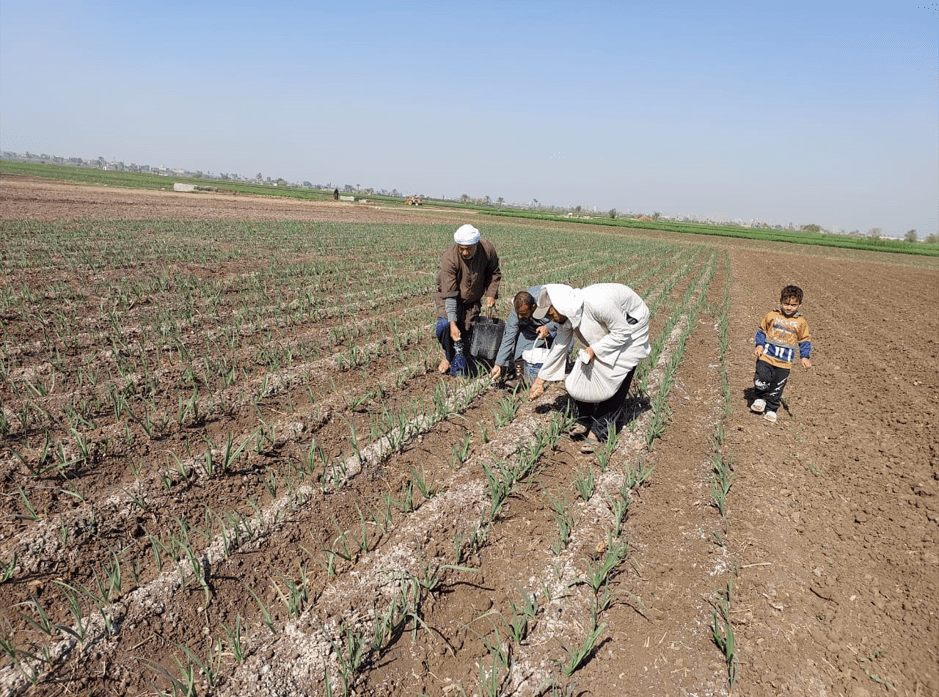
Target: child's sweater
782 336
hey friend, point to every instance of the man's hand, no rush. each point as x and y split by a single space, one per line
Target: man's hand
806 363
758 351
490 302
455 332
495 372
537 389
542 331
590 352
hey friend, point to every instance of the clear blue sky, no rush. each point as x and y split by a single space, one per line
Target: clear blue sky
804 112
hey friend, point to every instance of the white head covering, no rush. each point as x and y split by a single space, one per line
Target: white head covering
566 300
466 235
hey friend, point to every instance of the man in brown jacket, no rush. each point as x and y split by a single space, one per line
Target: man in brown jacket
469 270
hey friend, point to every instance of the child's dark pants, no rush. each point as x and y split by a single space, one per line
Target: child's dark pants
769 382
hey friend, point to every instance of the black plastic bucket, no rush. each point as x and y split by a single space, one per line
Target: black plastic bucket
487 338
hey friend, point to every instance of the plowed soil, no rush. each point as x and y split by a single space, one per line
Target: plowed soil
830 535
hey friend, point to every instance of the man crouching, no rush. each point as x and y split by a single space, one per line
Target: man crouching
469 270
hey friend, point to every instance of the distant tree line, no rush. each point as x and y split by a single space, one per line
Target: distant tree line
874 233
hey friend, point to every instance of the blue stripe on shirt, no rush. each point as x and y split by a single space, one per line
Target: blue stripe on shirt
782 353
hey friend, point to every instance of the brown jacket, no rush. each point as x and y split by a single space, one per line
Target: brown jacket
467 281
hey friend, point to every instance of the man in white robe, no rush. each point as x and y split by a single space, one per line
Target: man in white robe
612 322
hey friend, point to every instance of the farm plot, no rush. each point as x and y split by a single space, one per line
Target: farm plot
206 468
229 467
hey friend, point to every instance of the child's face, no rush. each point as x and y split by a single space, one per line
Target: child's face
789 306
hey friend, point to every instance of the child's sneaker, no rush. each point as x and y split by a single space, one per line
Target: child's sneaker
758 406
770 416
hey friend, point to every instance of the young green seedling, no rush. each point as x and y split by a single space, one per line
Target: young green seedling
7 570
585 483
266 616
73 603
722 630
564 519
235 640
578 656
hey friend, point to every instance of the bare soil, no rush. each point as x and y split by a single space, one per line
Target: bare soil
831 532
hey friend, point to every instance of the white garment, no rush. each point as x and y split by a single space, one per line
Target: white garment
602 314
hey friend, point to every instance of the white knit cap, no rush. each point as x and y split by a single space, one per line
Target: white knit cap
466 234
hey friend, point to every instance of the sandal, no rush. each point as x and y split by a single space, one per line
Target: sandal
577 430
589 446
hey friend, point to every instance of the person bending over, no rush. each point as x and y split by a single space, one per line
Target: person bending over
612 322
521 331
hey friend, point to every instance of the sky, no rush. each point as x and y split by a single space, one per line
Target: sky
823 112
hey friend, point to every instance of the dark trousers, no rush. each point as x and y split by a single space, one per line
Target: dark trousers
442 330
600 417
769 382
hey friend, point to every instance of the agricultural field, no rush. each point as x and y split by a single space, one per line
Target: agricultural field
230 467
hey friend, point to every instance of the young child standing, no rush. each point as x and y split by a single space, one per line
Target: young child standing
782 334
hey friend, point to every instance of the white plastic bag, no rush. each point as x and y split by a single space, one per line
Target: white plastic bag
536 355
590 382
